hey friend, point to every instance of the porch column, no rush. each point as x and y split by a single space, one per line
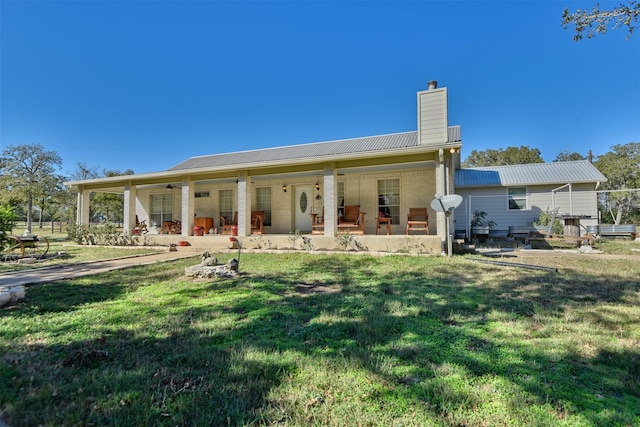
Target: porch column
82 214
244 204
187 203
129 214
441 188
330 200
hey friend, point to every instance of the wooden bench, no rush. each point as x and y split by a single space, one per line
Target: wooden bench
529 233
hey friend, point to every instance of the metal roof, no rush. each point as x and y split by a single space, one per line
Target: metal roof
318 150
580 171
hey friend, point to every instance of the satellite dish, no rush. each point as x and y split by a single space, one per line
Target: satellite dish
446 203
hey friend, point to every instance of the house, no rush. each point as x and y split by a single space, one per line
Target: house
514 196
382 176
386 174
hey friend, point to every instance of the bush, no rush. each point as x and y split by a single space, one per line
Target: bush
7 221
545 218
106 234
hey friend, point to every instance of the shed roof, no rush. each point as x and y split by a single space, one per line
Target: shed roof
580 171
318 150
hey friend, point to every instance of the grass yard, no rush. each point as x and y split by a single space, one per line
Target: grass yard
342 340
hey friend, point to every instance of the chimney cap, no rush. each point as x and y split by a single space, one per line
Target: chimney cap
433 84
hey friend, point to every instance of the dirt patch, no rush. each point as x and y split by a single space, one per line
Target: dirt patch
317 288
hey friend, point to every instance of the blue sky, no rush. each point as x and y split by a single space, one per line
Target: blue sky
146 84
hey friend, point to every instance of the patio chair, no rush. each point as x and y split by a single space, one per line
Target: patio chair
418 220
141 227
257 222
227 223
317 223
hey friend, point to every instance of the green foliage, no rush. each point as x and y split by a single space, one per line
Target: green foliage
346 241
545 218
621 166
29 177
596 21
509 156
568 156
479 219
7 221
105 234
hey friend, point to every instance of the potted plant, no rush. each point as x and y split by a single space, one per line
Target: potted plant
480 225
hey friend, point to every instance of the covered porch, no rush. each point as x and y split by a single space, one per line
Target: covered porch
288 197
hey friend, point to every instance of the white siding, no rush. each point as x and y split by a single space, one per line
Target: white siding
494 201
432 116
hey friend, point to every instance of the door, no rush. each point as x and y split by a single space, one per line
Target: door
303 202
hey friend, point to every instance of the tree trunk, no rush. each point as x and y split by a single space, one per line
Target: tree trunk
618 216
27 232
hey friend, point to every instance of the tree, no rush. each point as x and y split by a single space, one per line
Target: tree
597 21
109 205
621 166
102 206
567 156
26 174
7 220
510 156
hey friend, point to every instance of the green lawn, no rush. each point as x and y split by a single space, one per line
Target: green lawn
340 340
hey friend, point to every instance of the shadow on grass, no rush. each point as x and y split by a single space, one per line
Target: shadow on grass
431 317
126 379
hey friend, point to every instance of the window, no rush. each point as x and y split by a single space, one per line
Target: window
226 203
201 194
389 199
263 203
517 197
161 209
340 198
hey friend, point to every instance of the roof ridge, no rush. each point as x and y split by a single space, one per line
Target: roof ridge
303 144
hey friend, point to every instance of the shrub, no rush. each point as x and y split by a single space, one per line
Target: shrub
545 218
7 221
106 234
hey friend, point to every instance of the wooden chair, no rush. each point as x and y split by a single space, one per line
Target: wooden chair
317 223
171 227
418 220
141 227
227 224
257 222
352 220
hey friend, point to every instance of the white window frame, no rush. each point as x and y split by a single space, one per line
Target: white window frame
389 192
161 209
263 203
513 203
225 202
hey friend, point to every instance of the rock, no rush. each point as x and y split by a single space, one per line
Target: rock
207 272
11 294
233 264
5 297
210 261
